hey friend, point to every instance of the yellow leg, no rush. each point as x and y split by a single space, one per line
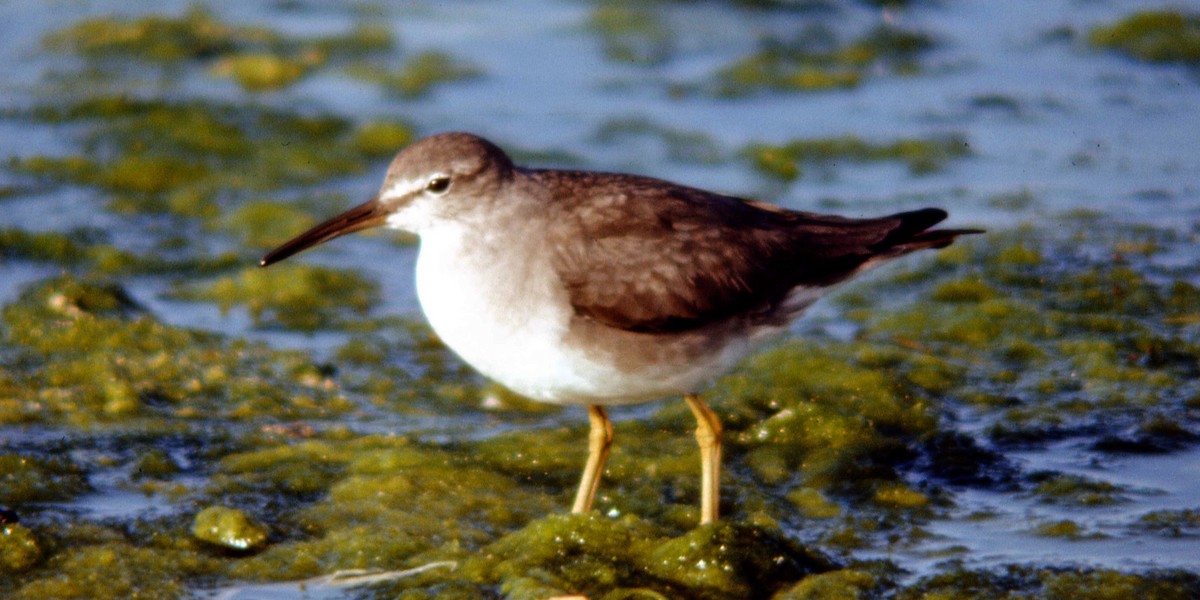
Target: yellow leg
708 435
599 439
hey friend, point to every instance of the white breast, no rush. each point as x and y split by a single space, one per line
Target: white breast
503 312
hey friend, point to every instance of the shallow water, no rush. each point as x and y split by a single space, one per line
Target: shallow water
1055 127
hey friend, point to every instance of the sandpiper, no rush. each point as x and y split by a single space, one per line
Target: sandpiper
596 289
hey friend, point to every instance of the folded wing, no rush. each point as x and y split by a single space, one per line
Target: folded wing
656 257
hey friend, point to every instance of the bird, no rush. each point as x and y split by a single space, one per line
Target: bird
590 288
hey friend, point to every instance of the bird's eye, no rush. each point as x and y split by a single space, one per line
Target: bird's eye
438 185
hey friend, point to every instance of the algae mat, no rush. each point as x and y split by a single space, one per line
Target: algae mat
1013 417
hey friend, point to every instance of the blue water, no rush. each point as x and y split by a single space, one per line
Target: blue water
1091 130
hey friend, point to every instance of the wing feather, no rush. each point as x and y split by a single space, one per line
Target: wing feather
642 254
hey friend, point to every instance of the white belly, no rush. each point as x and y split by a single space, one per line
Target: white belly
509 321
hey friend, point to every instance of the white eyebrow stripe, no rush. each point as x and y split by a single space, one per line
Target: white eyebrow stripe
402 188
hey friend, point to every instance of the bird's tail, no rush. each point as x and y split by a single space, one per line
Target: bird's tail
913 232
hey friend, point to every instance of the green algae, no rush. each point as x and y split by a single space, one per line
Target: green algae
350 501
632 33
155 464
19 550
587 554
382 138
266 224
1170 523
229 528
388 502
50 246
419 73
1153 36
842 584
787 161
1013 201
826 424
87 250
1053 584
816 61
261 71
83 354
197 34
295 296
245 134
27 479
825 417
200 159
900 496
798 418
257 58
691 147
114 570
812 503
1093 335
300 468
401 365
1065 528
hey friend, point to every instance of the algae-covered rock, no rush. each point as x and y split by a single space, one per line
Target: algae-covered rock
18 549
110 568
26 479
630 558
230 528
575 553
844 584
734 560
155 464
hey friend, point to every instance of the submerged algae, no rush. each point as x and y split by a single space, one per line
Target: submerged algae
204 163
852 432
113 570
18 549
419 73
816 61
298 296
1101 346
83 354
1054 584
632 33
786 161
588 554
164 149
154 38
1154 36
683 146
28 479
87 249
257 58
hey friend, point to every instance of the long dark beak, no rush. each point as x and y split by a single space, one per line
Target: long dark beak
363 216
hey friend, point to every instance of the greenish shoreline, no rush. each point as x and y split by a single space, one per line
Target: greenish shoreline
265 465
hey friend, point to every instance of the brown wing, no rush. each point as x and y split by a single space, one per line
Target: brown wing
658 257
